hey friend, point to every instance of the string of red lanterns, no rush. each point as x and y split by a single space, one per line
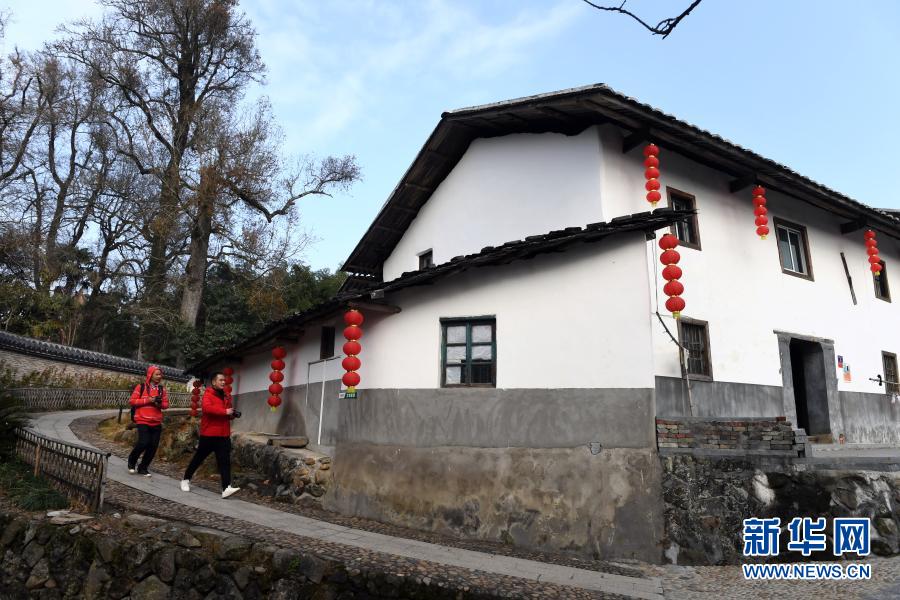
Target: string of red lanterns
872 251
195 397
229 380
651 173
353 319
276 377
760 210
672 273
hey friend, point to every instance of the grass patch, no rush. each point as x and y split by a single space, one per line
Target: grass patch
18 483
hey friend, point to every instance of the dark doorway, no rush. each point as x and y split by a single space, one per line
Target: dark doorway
810 388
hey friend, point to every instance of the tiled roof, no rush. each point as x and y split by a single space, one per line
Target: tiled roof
363 291
69 354
570 112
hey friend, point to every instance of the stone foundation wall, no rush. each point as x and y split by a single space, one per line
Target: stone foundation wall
152 559
296 474
772 434
596 503
707 499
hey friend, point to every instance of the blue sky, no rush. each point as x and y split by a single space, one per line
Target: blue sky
809 84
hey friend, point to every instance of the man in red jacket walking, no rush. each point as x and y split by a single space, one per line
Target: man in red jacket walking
215 435
149 399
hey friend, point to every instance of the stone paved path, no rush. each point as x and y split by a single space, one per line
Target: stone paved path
57 425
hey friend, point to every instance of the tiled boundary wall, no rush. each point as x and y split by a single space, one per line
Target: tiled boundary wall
748 434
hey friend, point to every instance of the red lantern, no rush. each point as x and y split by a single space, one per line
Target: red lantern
276 376
229 380
673 288
670 257
351 363
274 402
353 317
278 364
675 305
197 384
651 174
671 273
227 389
278 352
352 348
353 332
351 379
668 241
275 389
760 210
227 371
872 251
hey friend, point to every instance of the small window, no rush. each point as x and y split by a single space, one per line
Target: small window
793 249
327 345
469 352
882 289
695 340
426 260
891 385
687 232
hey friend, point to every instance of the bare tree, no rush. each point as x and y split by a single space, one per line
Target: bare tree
663 28
169 61
243 176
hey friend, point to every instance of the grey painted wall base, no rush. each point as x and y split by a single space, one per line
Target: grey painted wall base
607 505
870 418
297 415
499 418
717 399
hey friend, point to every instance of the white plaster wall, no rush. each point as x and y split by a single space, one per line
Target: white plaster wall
505 189
736 284
252 373
577 319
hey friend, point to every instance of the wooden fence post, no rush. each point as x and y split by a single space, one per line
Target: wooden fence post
37 458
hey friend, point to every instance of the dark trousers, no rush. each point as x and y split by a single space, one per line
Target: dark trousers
147 443
221 446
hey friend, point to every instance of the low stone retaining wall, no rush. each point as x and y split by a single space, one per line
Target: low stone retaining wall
290 474
153 559
750 434
708 497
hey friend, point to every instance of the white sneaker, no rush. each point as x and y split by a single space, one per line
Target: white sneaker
185 485
132 471
229 491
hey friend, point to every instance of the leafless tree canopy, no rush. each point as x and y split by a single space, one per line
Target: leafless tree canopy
663 28
131 163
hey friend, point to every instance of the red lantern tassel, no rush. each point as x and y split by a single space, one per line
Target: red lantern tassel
672 273
760 210
651 174
872 251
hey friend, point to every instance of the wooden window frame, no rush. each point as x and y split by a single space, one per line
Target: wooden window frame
670 191
887 285
707 352
322 339
427 253
469 322
885 356
776 222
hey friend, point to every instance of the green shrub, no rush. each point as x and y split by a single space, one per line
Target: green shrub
27 491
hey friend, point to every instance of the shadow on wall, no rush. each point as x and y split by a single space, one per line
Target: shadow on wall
297 415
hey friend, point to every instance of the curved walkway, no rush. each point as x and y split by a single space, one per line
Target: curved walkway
57 425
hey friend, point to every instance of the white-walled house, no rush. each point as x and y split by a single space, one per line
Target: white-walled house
516 348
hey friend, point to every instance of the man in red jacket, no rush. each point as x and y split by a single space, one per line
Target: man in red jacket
149 399
215 435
